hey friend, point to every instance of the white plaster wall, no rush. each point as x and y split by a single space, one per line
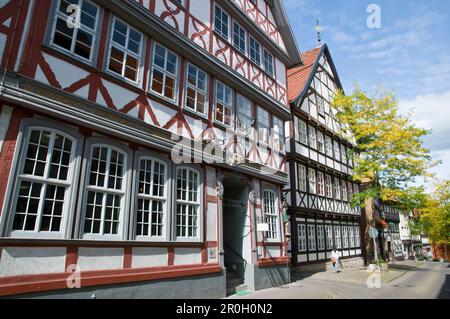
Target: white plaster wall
66 73
302 258
201 12
211 222
16 261
274 251
100 258
149 257
187 256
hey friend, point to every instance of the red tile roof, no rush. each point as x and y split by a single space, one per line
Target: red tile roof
297 77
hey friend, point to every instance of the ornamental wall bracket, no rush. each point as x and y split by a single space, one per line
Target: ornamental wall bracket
220 189
252 197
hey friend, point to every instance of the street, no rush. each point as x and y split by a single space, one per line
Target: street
427 281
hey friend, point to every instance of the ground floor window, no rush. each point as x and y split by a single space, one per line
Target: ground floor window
311 237
320 237
302 238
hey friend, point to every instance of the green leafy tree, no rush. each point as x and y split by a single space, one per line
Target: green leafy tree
389 153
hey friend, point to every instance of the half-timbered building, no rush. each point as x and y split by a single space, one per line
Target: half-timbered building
320 165
95 97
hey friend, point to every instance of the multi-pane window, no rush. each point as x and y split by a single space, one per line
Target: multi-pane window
221 22
224 104
357 236
303 131
337 236
105 191
351 235
43 183
337 152
77 39
188 203
320 106
151 198
255 51
270 214
345 236
239 38
164 73
311 237
196 89
125 51
244 118
312 137
344 191
301 229
350 191
320 184
263 125
268 63
320 237
328 146
343 154
278 133
328 186
302 178
329 236
312 181
337 188
320 142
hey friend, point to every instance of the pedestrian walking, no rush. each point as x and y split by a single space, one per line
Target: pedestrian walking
335 260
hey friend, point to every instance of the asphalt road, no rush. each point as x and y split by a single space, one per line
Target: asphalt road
429 281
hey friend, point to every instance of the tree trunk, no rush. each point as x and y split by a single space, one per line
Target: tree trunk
367 221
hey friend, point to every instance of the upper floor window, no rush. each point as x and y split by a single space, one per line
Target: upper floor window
46 175
188 203
343 154
337 152
302 178
125 51
337 188
151 199
271 214
224 104
105 192
312 181
320 106
268 63
279 134
196 89
239 38
263 125
255 51
320 142
344 191
164 72
312 137
221 22
328 186
244 118
328 146
303 132
320 184
80 39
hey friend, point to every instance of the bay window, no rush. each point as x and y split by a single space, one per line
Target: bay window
196 90
188 204
44 184
125 51
164 73
224 104
78 39
271 214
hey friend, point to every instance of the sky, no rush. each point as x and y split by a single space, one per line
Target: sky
409 54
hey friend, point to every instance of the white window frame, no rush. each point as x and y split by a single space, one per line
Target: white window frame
245 115
312 137
197 90
126 182
93 32
357 236
345 237
301 242
220 32
312 244
167 198
320 237
328 146
337 236
337 188
173 76
337 150
328 186
7 220
320 142
302 178
279 136
271 215
303 132
263 126
239 35
351 236
224 104
312 181
251 49
198 204
329 237
320 184
126 51
344 191
268 61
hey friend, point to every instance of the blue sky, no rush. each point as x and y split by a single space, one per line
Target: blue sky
409 54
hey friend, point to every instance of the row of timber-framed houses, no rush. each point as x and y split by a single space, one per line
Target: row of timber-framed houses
91 113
